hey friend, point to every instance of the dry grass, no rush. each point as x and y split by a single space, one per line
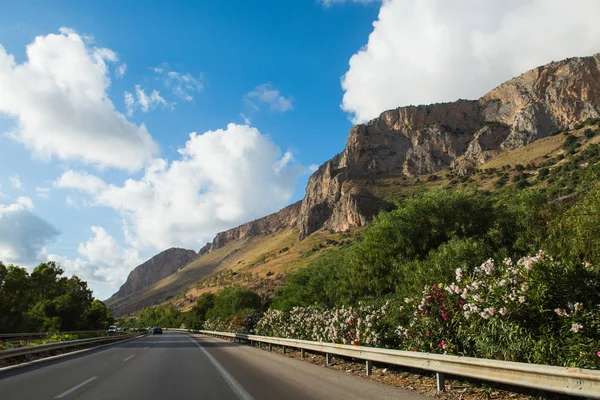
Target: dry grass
259 255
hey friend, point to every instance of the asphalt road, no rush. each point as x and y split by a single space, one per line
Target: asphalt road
176 366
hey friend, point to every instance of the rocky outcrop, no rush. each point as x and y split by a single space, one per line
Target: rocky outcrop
276 222
420 140
158 267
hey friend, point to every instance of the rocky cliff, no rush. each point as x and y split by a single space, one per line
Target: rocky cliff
276 222
419 140
153 270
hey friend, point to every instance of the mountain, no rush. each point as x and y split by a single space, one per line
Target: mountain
420 140
153 270
384 158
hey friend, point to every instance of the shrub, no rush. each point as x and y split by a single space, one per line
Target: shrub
589 133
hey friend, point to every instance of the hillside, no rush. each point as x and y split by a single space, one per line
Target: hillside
158 267
258 261
404 151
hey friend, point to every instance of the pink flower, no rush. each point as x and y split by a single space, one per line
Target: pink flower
598 354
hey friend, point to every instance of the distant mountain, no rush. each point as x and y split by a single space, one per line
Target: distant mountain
153 270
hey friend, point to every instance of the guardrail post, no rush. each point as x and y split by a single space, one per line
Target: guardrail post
369 367
283 349
328 358
441 381
270 347
251 343
302 354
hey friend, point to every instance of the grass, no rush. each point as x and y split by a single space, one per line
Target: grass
258 256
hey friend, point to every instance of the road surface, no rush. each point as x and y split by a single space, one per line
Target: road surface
177 366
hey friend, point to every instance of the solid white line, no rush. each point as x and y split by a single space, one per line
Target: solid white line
74 388
130 357
233 384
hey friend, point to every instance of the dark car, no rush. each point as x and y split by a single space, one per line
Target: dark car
157 330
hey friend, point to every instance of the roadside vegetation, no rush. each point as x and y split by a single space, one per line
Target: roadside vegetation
47 301
500 263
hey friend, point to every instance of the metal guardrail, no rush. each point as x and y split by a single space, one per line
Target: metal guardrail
42 348
571 381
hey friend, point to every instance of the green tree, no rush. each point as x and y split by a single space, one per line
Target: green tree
231 301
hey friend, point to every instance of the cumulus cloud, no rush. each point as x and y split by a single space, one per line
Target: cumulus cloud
103 260
80 180
23 234
223 178
426 51
144 102
268 95
25 202
58 99
121 70
182 84
15 182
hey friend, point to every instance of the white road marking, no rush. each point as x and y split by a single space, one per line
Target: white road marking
146 348
74 388
130 357
239 391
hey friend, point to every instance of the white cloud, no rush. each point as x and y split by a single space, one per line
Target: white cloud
270 96
23 234
103 262
42 191
144 102
182 84
425 51
59 101
224 178
80 180
121 70
329 3
15 182
312 168
70 201
25 202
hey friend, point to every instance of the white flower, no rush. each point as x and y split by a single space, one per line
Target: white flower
503 311
576 327
459 275
521 299
578 306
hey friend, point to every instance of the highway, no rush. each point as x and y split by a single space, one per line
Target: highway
177 366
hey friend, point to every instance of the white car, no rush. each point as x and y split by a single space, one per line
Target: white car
112 329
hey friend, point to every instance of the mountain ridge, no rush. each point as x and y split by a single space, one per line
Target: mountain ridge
413 141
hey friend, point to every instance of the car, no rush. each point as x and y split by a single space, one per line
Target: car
112 330
157 330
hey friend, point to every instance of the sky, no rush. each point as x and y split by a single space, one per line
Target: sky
130 127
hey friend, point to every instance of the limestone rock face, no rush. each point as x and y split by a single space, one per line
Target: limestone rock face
276 222
158 267
419 140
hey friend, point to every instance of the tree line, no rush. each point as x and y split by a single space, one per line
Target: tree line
45 300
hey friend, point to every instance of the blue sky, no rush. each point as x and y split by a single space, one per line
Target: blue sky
270 87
